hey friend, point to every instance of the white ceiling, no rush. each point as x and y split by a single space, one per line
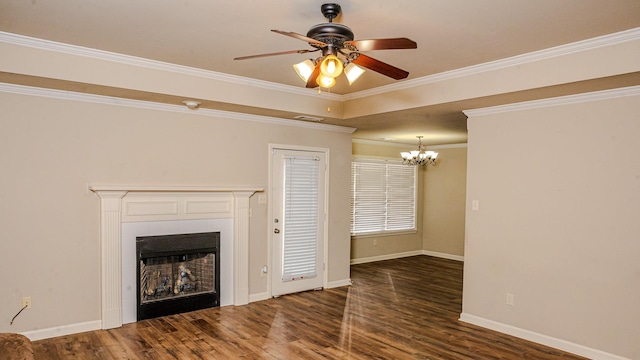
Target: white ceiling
207 34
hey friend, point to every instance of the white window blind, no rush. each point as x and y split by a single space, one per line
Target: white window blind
383 196
300 218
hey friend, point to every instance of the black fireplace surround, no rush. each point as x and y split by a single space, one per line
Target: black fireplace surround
177 273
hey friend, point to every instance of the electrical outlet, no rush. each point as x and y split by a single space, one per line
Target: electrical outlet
264 271
510 299
26 301
375 242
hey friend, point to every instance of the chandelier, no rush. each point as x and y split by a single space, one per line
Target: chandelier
420 156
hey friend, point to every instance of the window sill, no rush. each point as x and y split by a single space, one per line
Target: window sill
383 234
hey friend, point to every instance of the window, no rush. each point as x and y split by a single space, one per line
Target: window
383 196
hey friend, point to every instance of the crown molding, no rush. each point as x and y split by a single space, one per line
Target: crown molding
447 146
379 143
108 100
562 50
404 145
374 158
48 45
561 100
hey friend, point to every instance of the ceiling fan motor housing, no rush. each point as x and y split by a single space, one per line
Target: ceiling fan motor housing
331 34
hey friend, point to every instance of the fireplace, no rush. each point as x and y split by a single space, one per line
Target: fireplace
147 209
177 273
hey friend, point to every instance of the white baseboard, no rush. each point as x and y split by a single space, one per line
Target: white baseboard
339 283
443 255
385 257
36 335
540 338
331 284
258 297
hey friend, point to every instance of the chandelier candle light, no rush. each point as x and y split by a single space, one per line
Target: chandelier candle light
420 156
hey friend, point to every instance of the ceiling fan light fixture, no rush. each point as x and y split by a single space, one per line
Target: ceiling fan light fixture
331 66
325 81
337 39
353 72
304 69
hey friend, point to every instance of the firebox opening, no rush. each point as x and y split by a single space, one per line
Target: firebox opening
177 273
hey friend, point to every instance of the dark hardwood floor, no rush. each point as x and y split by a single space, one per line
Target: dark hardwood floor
397 309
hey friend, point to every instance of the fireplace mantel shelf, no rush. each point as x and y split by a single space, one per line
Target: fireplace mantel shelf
133 188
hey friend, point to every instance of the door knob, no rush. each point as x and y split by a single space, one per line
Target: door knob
277 231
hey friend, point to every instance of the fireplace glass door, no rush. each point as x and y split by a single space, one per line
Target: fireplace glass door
177 273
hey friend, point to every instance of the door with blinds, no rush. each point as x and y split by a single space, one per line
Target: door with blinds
298 209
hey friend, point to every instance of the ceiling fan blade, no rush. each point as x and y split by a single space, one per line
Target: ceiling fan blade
383 44
380 67
311 82
274 54
301 37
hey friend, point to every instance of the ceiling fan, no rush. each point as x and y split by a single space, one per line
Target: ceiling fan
340 52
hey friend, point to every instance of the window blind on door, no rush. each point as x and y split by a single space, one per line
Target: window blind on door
300 218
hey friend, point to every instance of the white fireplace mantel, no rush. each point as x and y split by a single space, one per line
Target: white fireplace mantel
120 204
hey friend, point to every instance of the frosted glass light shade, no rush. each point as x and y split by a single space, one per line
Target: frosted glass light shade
325 81
304 69
331 66
353 72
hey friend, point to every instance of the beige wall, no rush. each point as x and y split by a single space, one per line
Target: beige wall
557 226
51 150
443 201
441 211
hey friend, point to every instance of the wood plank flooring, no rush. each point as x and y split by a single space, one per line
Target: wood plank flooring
396 309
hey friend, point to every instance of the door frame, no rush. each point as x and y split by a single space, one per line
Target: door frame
325 222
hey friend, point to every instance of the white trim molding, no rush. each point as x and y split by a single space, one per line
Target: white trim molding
108 100
540 338
406 254
48 333
404 145
556 101
76 50
385 257
557 51
443 255
562 50
339 283
259 297
120 204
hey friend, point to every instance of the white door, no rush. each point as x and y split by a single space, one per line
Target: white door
298 220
